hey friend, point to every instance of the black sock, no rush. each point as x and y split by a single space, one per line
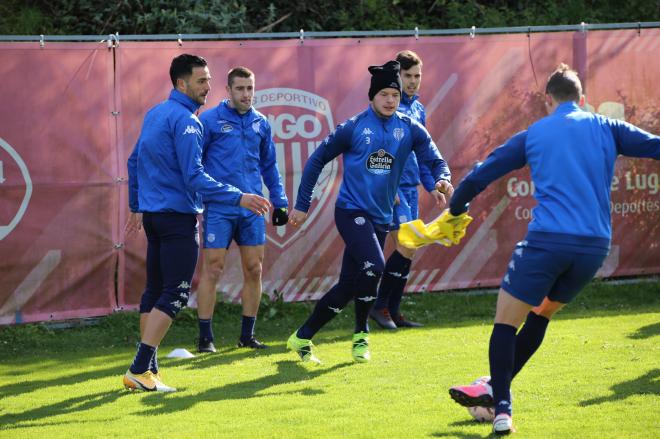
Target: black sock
366 289
501 353
247 328
325 310
205 329
153 364
142 358
393 282
528 340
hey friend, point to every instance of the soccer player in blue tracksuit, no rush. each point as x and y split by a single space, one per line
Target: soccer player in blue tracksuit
571 155
375 145
166 182
386 308
239 150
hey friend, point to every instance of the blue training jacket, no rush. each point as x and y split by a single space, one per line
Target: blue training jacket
165 172
571 155
239 150
374 152
415 173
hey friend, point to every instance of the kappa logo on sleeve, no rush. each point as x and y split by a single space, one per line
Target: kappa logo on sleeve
192 130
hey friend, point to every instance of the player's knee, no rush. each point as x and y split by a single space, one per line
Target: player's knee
213 268
374 267
173 300
548 308
148 300
407 253
252 270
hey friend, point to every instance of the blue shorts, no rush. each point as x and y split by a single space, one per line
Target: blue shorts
407 209
222 225
534 273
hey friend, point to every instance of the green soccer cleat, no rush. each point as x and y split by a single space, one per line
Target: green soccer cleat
303 347
361 352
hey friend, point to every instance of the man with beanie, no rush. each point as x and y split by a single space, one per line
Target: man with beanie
386 309
375 145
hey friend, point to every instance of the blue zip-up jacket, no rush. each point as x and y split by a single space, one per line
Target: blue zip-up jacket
374 152
571 155
239 150
414 172
165 172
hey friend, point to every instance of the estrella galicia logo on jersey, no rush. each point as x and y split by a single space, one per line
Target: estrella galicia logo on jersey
15 176
226 128
380 162
191 130
299 121
398 134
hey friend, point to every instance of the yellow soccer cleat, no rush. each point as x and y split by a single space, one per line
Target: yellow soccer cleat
146 382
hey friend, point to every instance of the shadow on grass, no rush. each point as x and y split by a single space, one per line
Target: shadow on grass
25 386
647 331
646 384
461 434
287 372
30 418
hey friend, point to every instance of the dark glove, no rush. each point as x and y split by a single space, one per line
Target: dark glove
280 216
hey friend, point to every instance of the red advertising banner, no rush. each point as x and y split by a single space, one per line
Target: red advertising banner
477 92
58 196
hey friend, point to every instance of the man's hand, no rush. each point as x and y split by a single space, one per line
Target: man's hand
458 224
443 191
133 223
255 203
297 218
280 216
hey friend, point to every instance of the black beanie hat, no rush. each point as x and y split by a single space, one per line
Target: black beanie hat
385 76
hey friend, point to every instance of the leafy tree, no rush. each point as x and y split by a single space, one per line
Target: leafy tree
94 17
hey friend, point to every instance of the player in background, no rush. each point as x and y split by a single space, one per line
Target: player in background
238 150
390 292
166 183
571 155
375 145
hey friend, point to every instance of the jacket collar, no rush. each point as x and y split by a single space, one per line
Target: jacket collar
384 120
408 100
567 107
229 111
185 100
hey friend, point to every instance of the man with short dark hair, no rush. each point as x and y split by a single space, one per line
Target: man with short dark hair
390 292
374 145
571 155
239 150
166 183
